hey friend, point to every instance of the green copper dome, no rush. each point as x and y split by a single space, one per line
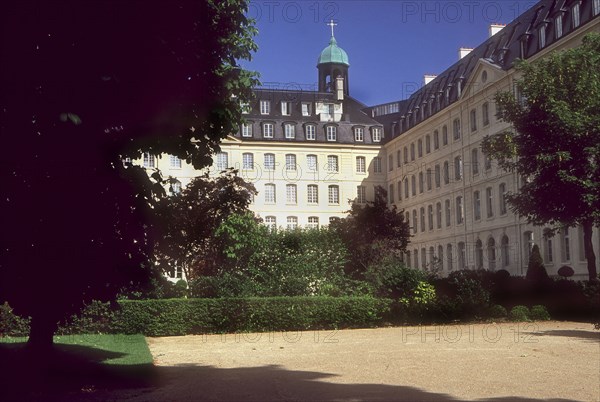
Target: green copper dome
333 54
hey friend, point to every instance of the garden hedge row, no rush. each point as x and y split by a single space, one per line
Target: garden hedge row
171 317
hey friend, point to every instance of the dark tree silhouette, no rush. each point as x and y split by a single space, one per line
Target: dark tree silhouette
85 84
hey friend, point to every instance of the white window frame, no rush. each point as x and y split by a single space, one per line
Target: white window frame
333 163
331 133
222 160
361 194
286 108
376 134
248 161
291 194
292 222
269 161
265 107
290 131
306 109
576 15
246 130
310 131
361 164
313 222
174 162
149 160
268 130
270 193
333 194
377 165
312 194
359 134
290 162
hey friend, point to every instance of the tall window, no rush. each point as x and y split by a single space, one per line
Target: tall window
406 193
596 7
271 222
390 162
502 198
450 258
376 133
473 119
487 162
456 129
566 244
399 189
359 134
291 194
446 172
423 259
415 221
459 210
548 252
398 158
269 162
270 194
427 144
448 212
504 251
174 162
150 160
286 108
489 196
246 130
290 131
413 185
312 192
436 139
332 163
421 182
438 176
462 255
542 36
247 160
428 179
491 254
391 193
265 107
485 111
444 135
245 106
361 194
361 164
412 152
331 133
458 168
476 205
334 195
313 222
478 254
430 216
290 162
377 168
528 244
475 161
311 163
176 187
292 222
438 215
422 216
222 161
406 152
420 148
268 130
440 257
310 132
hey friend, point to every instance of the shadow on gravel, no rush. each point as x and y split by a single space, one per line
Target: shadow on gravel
74 373
580 334
68 372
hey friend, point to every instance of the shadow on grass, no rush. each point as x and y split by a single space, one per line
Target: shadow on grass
68 372
75 373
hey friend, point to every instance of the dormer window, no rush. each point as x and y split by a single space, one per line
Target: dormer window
542 36
289 130
286 108
331 133
376 134
596 7
265 107
575 16
558 27
306 109
245 106
359 134
310 132
247 130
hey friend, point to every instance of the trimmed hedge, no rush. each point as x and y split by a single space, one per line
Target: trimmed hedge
201 316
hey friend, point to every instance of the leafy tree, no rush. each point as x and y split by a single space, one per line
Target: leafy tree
188 221
555 145
373 231
85 84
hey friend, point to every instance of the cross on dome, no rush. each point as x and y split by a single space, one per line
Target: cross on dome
331 24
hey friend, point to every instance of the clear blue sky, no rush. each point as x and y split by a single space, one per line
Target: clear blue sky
391 44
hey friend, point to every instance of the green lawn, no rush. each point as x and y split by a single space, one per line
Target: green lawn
77 364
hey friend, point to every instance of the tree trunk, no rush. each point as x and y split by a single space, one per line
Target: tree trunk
41 333
589 250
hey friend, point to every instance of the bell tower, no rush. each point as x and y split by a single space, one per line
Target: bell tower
332 65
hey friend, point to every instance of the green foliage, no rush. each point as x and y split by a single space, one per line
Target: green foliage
539 313
200 316
372 232
536 271
95 318
391 278
555 145
519 313
471 291
497 311
11 324
566 271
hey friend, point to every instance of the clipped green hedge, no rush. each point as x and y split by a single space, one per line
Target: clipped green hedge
200 316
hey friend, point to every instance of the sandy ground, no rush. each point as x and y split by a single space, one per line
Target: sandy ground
500 362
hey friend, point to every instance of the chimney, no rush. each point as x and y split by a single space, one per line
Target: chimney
427 78
339 86
463 51
495 28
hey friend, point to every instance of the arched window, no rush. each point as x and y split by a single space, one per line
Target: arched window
504 251
478 254
491 254
449 257
440 258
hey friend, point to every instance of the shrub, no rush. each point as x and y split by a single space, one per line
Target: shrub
11 324
391 278
519 313
497 311
471 291
539 313
95 318
536 271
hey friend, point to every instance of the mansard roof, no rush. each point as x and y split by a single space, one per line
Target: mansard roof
519 39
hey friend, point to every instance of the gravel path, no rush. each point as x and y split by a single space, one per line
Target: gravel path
500 362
